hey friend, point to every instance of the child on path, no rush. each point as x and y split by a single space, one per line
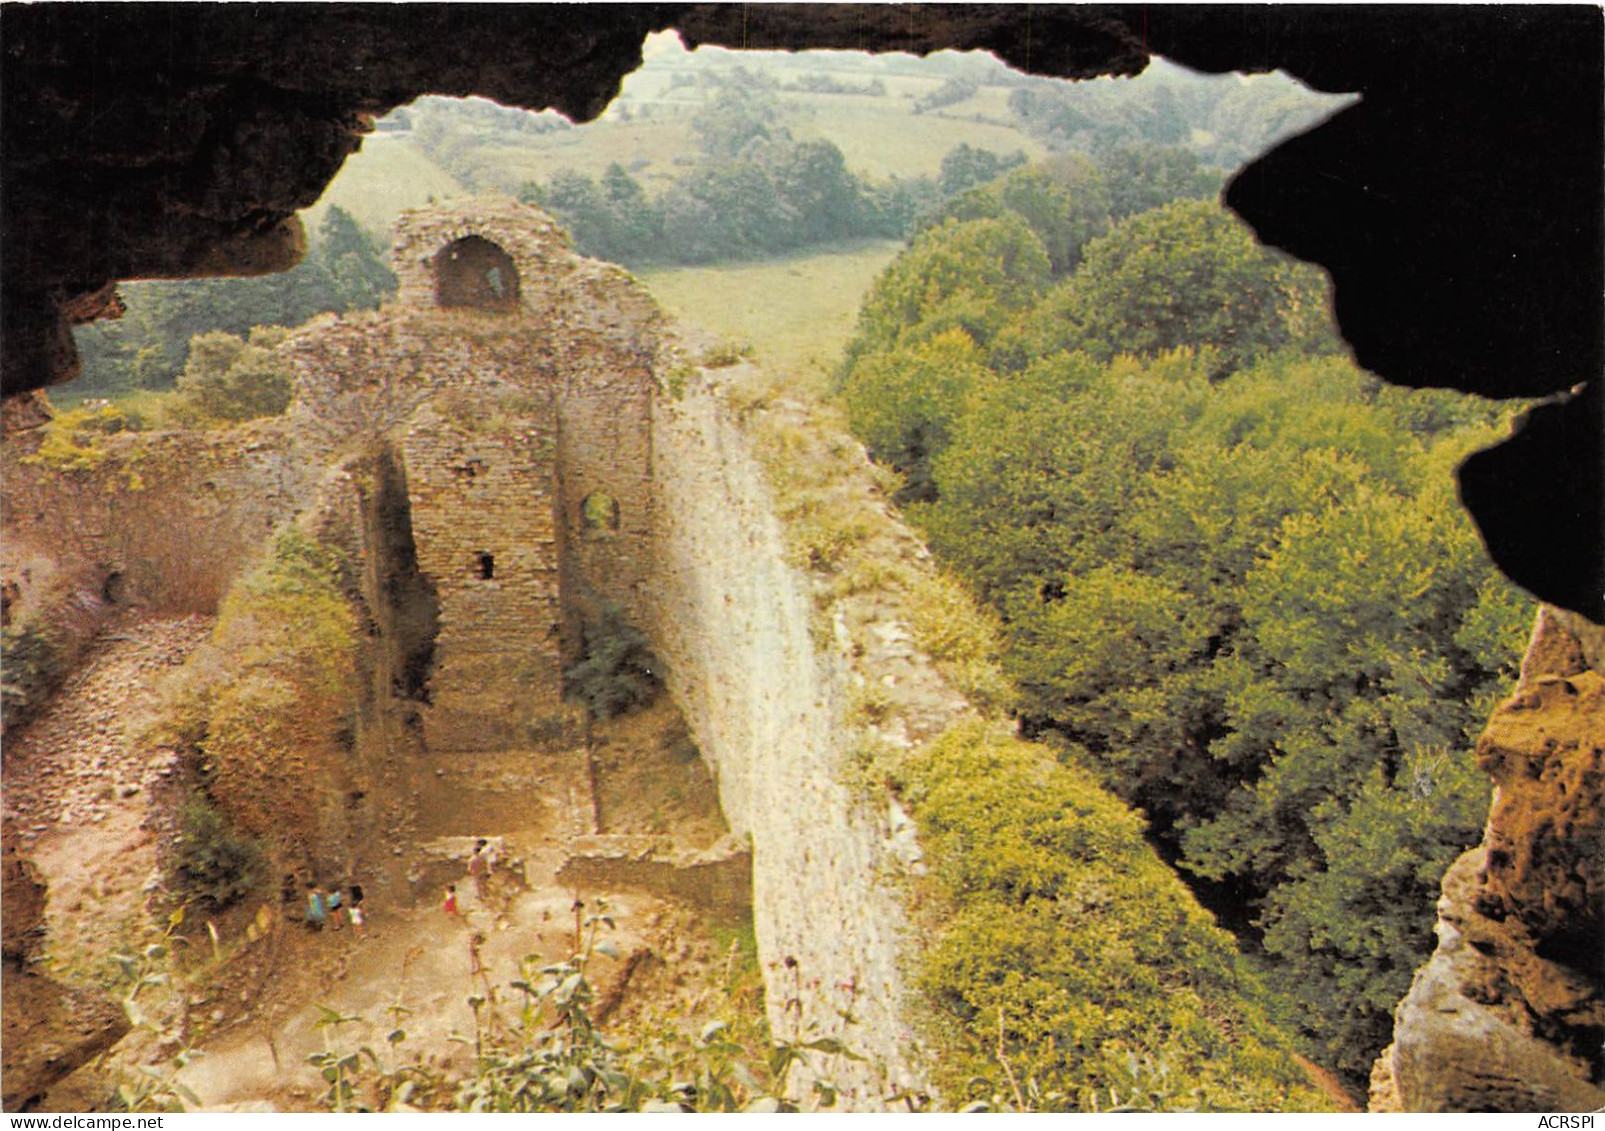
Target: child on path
333 903
354 912
317 910
450 904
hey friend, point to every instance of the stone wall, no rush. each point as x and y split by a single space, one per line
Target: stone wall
766 706
607 462
716 880
484 519
178 515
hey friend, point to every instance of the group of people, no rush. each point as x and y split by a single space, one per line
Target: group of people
334 907
481 866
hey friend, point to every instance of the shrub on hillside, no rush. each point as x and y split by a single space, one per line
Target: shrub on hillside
213 865
1066 951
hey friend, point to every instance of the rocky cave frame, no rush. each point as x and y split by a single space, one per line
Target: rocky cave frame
1463 187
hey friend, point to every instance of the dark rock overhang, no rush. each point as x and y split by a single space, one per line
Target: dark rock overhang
1457 204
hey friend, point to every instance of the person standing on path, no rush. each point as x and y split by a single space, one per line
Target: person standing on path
449 904
317 910
479 869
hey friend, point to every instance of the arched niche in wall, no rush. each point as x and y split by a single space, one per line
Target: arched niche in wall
475 273
599 515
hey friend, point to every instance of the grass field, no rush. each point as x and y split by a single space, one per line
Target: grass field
646 147
796 312
881 137
382 180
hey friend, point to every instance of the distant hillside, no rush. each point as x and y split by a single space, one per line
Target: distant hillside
389 175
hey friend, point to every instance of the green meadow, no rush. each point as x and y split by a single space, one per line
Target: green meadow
796 311
383 179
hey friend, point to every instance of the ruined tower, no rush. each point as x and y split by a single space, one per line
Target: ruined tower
511 384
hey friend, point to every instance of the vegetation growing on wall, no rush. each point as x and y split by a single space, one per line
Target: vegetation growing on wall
212 865
617 671
74 440
1072 971
37 660
1064 966
1232 577
262 710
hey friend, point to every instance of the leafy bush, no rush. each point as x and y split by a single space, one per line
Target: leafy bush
213 865
227 380
618 671
1066 948
73 439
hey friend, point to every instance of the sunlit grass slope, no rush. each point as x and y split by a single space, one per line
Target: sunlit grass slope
389 175
796 312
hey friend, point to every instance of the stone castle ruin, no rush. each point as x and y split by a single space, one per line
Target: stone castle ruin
498 451
517 438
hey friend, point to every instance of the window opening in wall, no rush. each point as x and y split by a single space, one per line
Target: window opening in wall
485 565
474 272
599 514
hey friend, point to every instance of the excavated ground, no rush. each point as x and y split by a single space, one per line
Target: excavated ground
77 790
238 1019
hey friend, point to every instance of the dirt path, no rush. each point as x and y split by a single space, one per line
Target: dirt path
76 784
419 960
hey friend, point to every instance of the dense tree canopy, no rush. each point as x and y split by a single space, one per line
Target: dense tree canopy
968 275
1064 202
1231 574
1139 177
1184 275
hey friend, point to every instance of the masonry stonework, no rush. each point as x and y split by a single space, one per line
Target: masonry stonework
493 447
484 518
515 380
